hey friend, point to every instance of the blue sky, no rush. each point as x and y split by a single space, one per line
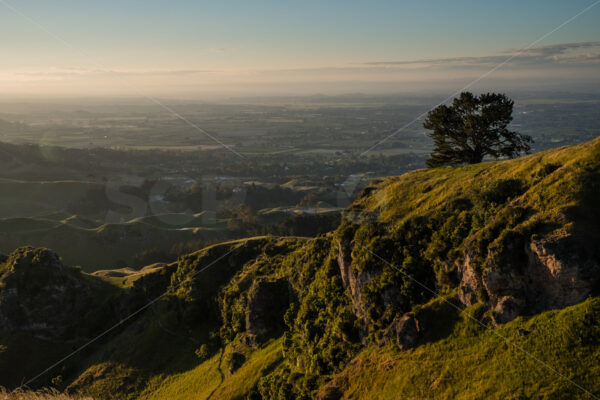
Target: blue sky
240 41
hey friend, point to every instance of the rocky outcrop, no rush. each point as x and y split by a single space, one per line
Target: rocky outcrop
555 272
405 330
345 261
565 271
355 280
41 296
470 284
330 391
268 301
504 280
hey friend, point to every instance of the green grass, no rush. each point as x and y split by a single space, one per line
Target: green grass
174 221
205 379
125 277
153 355
473 362
81 243
420 192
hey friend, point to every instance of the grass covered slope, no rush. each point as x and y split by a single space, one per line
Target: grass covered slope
426 223
210 378
512 242
473 363
550 182
470 228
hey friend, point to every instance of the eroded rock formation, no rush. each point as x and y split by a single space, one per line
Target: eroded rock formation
40 296
556 271
267 302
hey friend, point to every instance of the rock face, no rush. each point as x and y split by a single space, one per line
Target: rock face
470 283
40 296
345 261
556 271
267 302
565 271
355 280
406 331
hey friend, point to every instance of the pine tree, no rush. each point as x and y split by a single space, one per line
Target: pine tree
473 127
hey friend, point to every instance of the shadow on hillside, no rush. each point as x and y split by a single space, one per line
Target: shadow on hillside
437 321
586 229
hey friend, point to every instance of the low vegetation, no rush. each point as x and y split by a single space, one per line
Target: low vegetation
295 318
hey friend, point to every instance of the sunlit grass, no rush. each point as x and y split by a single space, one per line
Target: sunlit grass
544 355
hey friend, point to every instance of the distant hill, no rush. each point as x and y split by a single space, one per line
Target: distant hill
467 282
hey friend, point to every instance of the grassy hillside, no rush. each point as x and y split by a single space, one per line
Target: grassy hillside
462 360
543 175
299 318
85 243
465 361
210 378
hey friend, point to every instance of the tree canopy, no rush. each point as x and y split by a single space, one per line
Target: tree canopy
473 127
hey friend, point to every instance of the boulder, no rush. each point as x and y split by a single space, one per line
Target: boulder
507 309
406 330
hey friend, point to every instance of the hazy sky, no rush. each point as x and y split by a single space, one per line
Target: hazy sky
193 48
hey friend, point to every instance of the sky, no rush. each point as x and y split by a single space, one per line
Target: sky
203 48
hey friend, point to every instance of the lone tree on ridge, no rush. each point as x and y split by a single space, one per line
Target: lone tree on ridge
473 127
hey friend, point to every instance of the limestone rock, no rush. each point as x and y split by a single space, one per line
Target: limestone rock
564 271
554 272
355 280
406 330
470 283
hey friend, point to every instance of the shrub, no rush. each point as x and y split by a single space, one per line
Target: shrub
202 352
500 191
